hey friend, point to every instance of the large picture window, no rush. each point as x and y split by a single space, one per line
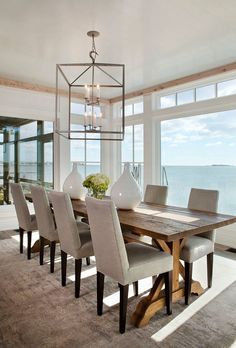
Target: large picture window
26 153
199 152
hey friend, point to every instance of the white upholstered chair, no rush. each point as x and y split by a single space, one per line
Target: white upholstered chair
27 222
200 245
156 194
124 263
74 236
46 225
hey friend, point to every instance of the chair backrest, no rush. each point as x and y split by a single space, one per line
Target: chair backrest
22 210
156 194
205 200
66 224
44 216
107 239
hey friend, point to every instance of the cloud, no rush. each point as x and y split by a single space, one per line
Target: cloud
214 144
219 126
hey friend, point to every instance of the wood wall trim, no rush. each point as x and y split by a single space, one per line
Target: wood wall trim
35 87
179 81
25 85
39 88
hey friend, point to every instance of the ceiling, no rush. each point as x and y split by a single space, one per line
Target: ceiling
157 40
12 122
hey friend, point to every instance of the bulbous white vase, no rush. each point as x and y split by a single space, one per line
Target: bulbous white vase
126 193
73 184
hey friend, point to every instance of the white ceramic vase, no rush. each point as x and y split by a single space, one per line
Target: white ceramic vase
126 193
73 184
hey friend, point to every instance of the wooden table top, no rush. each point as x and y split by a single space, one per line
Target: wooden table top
163 222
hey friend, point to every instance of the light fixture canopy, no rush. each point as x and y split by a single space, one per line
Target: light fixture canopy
93 83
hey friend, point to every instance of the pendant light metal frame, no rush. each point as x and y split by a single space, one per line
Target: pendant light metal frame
89 133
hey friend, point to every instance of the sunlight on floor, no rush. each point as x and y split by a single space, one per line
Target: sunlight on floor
114 299
35 236
84 274
224 275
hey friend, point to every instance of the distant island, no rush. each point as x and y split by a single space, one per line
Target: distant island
221 165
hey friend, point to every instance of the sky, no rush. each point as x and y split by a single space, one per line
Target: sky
200 140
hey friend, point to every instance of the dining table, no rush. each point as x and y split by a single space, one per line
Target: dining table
169 227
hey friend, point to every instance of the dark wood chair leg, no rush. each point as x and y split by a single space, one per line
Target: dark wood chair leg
210 258
168 291
52 255
135 287
63 267
100 291
124 289
78 266
41 250
29 235
21 232
188 281
88 261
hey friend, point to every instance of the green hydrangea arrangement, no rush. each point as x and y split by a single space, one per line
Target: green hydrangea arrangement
97 184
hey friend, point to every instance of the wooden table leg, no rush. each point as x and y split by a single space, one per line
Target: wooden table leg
149 305
36 247
175 253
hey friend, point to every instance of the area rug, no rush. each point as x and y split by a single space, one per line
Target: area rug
35 311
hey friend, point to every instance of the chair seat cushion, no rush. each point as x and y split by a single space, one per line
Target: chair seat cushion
82 226
145 261
196 247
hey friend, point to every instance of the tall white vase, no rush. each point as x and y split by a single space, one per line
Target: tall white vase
126 193
73 184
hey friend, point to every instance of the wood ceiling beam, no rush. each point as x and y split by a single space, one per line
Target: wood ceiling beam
180 81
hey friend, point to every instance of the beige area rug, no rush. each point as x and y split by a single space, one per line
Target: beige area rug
35 311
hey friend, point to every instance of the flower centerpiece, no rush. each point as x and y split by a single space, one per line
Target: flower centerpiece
97 184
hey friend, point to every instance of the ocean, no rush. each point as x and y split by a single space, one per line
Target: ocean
181 179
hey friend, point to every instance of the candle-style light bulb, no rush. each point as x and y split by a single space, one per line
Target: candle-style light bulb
98 92
86 92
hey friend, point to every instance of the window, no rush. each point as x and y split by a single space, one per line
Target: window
77 108
47 127
28 160
28 130
205 92
138 108
28 154
88 154
199 152
132 150
223 88
48 162
133 109
185 97
168 101
226 88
